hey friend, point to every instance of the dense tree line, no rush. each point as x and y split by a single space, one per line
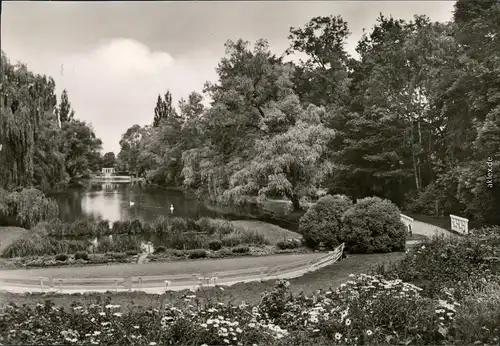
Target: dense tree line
415 118
43 145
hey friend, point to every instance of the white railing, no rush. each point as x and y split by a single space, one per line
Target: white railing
408 221
459 224
191 281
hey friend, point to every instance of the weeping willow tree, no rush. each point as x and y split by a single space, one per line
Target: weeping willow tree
17 138
29 133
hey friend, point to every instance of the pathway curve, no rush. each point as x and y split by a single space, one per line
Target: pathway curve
430 230
156 268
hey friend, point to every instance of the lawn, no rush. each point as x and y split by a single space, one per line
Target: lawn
329 277
271 232
8 235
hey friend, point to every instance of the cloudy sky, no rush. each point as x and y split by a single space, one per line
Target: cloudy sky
115 58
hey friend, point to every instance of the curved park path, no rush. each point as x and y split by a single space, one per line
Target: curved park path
429 230
206 266
164 268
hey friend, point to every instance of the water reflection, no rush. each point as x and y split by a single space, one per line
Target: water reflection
124 201
111 201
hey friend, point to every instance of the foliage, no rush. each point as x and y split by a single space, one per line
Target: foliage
81 148
118 244
366 310
373 225
82 255
323 222
108 160
215 245
460 263
34 133
288 245
38 244
197 253
61 257
27 207
164 109
241 249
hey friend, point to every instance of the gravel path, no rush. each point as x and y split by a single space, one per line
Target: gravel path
165 268
430 230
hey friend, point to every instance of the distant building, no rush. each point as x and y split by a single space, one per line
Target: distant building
108 171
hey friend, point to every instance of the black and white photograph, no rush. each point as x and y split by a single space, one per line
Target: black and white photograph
250 173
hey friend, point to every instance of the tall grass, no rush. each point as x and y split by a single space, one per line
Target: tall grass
119 244
243 238
39 244
27 207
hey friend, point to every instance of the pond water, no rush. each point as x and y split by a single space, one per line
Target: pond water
126 201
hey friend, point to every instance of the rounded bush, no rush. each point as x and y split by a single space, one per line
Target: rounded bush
241 249
61 257
82 255
198 253
215 245
373 225
287 245
322 223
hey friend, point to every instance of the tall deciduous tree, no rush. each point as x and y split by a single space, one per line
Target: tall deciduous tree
81 148
164 109
64 111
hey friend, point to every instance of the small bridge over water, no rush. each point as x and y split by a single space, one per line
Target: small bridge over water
108 176
112 179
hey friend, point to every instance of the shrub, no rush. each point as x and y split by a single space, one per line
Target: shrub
373 225
212 226
118 244
178 224
198 253
61 257
160 249
161 225
461 263
241 249
39 244
131 252
215 245
82 255
102 227
184 241
116 255
322 223
27 207
478 318
288 245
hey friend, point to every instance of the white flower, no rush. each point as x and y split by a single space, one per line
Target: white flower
348 322
338 336
369 332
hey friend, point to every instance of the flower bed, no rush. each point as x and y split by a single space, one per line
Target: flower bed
52 261
365 310
171 255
